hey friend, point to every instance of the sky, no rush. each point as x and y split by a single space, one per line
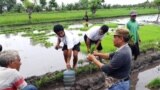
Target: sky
112 2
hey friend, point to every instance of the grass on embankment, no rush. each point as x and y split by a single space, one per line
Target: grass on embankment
149 34
22 18
154 84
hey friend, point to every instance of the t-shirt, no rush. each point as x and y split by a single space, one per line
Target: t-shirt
70 39
120 64
93 33
11 79
133 27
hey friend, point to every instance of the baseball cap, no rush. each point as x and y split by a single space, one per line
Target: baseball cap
121 32
133 13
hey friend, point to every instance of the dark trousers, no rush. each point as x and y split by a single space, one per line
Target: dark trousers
99 48
135 50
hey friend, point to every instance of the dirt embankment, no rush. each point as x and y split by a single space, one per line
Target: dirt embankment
95 80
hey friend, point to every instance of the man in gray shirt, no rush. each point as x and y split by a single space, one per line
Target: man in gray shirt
120 61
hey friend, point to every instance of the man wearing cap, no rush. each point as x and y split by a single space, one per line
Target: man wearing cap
119 67
133 27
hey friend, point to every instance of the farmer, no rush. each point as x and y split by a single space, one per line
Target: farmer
94 36
86 19
133 27
119 67
71 44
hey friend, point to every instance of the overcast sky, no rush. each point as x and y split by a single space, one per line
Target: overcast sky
112 2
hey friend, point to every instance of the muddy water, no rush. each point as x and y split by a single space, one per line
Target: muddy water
38 60
146 76
145 19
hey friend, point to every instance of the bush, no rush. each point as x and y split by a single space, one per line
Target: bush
154 84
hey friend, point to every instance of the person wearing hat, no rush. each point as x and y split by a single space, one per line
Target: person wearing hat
133 27
119 68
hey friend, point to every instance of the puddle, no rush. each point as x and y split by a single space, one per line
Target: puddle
146 76
38 60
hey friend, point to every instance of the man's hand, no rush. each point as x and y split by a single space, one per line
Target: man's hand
57 47
96 53
91 57
68 65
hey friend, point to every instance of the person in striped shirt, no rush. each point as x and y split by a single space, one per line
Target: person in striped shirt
10 77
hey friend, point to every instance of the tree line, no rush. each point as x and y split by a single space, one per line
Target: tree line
92 5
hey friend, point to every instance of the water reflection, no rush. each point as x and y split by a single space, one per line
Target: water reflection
146 76
145 19
7 35
38 60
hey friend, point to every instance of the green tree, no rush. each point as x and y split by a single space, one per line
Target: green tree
7 3
53 4
84 4
157 2
10 4
37 8
18 8
2 4
77 6
70 6
94 4
43 3
63 6
29 8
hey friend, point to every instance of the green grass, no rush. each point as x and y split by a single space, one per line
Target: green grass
149 35
57 76
22 18
154 84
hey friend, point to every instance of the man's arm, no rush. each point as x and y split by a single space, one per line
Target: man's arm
69 53
97 44
92 58
57 45
101 55
70 45
128 26
88 44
